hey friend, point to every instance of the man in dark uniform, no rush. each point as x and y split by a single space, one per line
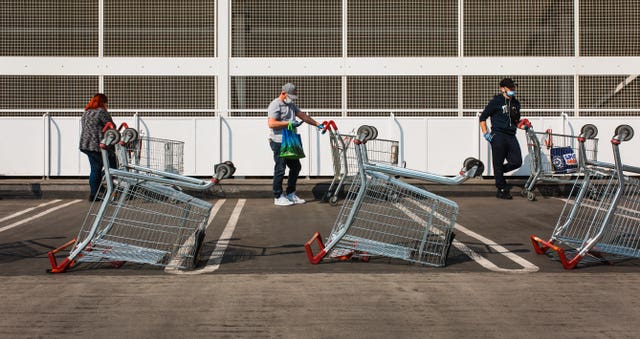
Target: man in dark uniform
504 111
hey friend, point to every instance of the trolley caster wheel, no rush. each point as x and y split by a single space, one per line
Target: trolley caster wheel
367 133
470 162
524 192
232 166
129 135
624 132
333 200
531 196
589 131
111 137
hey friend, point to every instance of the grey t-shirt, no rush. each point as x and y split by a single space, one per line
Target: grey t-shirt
281 112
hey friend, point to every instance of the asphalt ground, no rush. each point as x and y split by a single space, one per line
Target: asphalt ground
494 284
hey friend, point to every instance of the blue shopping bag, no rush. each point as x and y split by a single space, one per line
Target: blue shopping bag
564 160
291 147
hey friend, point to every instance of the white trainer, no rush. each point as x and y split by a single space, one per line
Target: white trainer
295 199
282 201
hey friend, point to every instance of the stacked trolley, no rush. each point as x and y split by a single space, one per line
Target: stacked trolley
384 216
345 161
157 153
556 158
142 217
601 219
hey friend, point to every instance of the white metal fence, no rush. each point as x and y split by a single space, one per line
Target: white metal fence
211 68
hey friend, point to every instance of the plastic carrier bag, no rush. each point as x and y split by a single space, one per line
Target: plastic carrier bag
563 160
291 147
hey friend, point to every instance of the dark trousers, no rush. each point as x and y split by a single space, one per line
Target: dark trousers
95 177
279 168
505 147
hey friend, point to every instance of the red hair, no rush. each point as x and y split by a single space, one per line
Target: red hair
99 100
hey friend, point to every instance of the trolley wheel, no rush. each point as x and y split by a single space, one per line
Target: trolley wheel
531 196
625 132
232 166
333 200
470 162
111 136
129 135
367 131
223 171
375 133
524 192
589 131
326 196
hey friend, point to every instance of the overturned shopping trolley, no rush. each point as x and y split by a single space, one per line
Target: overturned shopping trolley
600 221
556 157
384 216
142 218
345 161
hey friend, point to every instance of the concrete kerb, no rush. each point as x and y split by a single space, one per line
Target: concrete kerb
78 188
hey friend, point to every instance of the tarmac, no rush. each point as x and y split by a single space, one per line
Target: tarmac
254 280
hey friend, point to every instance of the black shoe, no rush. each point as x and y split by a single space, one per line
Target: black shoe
503 194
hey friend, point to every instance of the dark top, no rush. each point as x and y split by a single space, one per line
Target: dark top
504 113
92 122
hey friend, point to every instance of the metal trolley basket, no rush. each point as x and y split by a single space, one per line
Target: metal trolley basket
556 158
384 216
345 161
157 153
142 217
601 218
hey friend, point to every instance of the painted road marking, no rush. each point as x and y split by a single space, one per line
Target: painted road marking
23 221
190 243
213 264
527 267
17 214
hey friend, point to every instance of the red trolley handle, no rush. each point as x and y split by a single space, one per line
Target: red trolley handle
108 126
124 124
327 125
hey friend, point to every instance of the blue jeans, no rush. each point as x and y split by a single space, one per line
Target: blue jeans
279 169
505 147
95 177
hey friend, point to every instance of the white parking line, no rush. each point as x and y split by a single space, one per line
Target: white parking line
28 210
23 221
213 264
527 267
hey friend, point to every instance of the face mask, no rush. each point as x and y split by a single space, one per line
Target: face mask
288 100
511 94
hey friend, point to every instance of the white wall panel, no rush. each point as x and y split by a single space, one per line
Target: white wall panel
23 150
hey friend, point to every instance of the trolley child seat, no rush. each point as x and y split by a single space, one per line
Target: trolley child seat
142 217
556 157
600 221
384 216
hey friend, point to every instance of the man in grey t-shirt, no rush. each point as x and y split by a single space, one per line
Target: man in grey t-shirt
283 111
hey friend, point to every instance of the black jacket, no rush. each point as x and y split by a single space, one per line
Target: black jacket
504 113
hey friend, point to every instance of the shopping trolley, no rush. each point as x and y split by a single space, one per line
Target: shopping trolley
556 158
384 216
157 153
140 217
600 221
345 162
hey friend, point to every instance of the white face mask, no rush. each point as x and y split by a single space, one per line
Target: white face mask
288 100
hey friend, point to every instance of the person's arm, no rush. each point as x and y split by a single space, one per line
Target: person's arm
483 122
307 118
277 124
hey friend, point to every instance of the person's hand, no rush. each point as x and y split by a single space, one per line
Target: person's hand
524 124
488 136
294 124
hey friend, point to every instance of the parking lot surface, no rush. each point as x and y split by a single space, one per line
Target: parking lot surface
253 279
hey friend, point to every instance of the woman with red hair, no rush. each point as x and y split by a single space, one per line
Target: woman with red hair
94 118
